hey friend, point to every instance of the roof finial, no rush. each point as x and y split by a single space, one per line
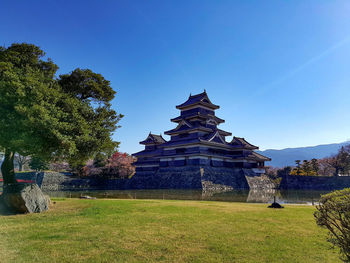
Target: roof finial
205 91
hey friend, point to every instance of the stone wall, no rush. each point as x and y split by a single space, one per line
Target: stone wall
55 181
196 177
232 177
315 182
260 182
183 177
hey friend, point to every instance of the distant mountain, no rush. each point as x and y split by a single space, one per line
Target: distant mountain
285 157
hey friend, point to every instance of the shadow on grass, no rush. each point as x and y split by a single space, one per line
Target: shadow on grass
4 211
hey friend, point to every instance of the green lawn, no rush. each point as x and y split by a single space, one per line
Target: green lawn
169 231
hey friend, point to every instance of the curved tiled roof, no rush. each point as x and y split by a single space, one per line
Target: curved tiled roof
153 139
237 141
258 157
201 99
199 115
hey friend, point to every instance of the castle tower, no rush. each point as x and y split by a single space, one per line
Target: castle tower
196 141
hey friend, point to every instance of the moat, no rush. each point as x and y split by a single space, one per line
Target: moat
249 196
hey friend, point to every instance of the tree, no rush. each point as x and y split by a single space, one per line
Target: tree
315 166
21 161
333 213
297 162
325 167
38 164
119 166
271 171
94 94
343 159
284 171
306 166
340 162
69 118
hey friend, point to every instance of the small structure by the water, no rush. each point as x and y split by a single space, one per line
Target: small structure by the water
197 147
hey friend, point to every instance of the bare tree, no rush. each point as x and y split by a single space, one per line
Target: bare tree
21 160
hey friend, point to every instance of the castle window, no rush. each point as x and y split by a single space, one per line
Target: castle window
180 150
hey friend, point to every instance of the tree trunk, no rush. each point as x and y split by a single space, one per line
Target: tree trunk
336 171
7 168
20 167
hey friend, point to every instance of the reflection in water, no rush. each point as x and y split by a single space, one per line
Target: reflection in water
250 196
261 195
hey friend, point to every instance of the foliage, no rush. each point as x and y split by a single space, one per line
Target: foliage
21 161
60 167
298 172
69 118
315 165
306 168
333 213
271 171
119 165
336 164
100 160
298 169
38 164
284 171
325 166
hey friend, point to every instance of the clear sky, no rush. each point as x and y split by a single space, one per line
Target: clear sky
280 70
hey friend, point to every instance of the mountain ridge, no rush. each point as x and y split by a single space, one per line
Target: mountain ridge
287 156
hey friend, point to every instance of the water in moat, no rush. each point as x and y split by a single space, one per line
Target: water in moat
249 196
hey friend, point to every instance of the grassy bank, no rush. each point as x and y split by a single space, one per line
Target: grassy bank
171 231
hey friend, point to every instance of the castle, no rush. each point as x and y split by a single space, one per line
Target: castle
197 152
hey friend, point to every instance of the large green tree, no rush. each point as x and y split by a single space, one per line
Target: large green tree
46 117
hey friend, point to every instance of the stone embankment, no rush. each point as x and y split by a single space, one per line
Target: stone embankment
294 182
204 179
211 179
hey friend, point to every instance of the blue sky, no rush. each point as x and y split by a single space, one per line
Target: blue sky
278 69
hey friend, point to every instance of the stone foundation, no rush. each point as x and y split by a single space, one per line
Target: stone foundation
184 177
315 182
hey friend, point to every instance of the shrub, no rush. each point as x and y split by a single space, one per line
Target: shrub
38 164
333 213
119 166
60 167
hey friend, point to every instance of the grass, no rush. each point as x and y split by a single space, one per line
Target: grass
164 231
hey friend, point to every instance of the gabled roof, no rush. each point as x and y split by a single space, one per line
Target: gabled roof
237 141
183 123
197 115
224 133
258 157
214 137
185 129
199 99
153 139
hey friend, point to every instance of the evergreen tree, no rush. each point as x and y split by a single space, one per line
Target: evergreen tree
315 166
67 118
306 166
297 162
